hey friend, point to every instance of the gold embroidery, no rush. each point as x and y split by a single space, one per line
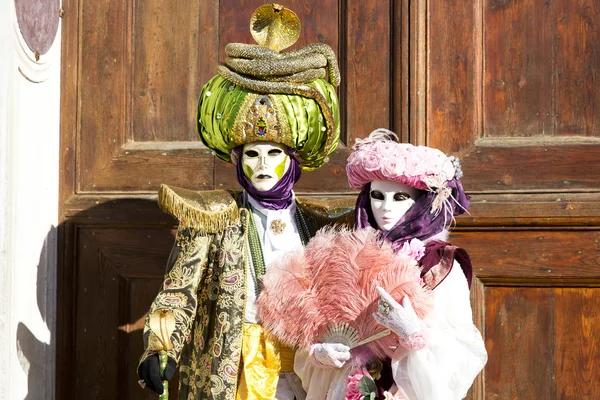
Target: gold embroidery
210 310
238 132
261 118
210 211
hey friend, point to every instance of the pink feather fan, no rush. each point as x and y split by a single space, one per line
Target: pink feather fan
332 283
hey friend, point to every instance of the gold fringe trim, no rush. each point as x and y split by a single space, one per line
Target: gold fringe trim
209 211
329 211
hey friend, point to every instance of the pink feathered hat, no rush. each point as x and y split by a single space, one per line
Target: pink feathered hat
381 157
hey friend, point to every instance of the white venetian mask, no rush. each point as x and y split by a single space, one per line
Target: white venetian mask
265 163
390 201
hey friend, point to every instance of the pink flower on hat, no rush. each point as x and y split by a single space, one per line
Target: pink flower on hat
371 160
415 164
435 160
448 169
379 157
393 166
403 151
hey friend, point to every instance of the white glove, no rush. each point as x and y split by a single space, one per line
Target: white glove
402 320
329 354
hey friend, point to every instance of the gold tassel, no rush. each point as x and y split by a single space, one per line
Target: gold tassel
209 211
329 211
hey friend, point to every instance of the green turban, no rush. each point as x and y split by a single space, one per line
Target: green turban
261 94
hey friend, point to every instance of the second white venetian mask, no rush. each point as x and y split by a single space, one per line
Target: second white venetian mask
390 201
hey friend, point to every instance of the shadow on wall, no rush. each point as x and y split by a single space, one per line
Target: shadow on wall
113 266
33 353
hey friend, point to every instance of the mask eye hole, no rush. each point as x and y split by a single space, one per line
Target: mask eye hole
377 195
274 152
251 153
401 196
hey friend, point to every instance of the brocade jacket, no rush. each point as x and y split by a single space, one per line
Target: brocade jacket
205 284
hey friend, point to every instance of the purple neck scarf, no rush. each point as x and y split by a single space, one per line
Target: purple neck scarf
277 198
418 222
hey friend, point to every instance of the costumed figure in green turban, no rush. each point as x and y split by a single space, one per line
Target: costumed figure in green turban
272 114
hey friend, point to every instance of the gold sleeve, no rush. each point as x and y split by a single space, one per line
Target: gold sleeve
179 292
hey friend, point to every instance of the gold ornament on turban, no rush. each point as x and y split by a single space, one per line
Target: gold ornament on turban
262 94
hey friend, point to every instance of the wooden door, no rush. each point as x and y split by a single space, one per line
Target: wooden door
513 88
132 71
510 86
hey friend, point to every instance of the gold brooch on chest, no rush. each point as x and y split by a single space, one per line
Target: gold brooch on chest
277 226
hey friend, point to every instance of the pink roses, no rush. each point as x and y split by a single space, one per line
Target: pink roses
352 387
376 158
414 249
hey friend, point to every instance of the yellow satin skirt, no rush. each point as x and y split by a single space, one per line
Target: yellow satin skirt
263 358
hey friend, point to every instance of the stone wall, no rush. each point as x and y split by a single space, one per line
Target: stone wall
29 162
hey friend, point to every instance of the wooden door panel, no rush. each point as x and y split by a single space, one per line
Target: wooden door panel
533 210
543 80
533 257
511 69
519 339
539 347
167 70
137 94
449 83
534 294
522 164
369 69
519 70
497 86
140 167
508 88
576 349
576 64
119 272
101 100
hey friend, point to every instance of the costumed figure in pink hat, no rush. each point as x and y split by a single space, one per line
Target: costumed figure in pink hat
402 327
